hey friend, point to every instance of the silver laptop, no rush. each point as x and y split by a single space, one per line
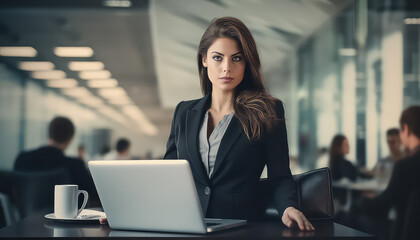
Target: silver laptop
152 195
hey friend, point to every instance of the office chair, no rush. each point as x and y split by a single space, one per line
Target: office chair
33 191
407 217
8 211
314 192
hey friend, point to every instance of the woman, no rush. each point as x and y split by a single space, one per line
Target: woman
234 130
339 165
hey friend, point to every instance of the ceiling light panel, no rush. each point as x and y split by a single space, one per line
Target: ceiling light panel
77 92
18 51
62 83
88 75
347 52
73 51
123 101
91 101
112 92
53 74
85 66
35 66
102 83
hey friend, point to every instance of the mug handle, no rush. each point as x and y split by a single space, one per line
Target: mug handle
85 199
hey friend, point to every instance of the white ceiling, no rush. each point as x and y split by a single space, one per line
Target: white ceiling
277 26
151 48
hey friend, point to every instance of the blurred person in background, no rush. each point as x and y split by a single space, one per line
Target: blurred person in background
339 165
51 157
121 152
383 168
404 181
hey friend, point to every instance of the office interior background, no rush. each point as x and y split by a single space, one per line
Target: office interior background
339 66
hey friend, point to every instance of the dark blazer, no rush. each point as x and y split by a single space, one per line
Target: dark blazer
233 190
403 182
343 168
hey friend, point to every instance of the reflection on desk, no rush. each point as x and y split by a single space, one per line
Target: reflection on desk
38 226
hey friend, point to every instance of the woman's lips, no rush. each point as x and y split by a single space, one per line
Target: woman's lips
226 79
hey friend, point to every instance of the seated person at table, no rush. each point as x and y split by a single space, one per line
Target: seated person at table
383 168
51 157
339 165
404 177
122 151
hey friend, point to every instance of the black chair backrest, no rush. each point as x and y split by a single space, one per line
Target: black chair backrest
314 195
33 191
407 219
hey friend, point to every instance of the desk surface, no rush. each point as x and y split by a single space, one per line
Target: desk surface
39 227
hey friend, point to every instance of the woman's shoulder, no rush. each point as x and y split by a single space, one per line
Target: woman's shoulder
188 104
185 106
279 108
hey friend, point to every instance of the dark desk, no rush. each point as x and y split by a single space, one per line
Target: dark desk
36 226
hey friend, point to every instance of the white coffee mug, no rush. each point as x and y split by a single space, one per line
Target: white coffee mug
66 201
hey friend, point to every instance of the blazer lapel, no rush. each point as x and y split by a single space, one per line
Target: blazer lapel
231 135
192 128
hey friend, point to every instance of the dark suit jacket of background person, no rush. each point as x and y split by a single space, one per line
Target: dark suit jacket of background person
233 190
343 168
51 158
404 179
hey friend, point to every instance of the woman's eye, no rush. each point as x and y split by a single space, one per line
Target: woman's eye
236 59
217 58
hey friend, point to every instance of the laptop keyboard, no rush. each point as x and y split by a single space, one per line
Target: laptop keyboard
212 224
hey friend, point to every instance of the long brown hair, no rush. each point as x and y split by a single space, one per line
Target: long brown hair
336 150
253 106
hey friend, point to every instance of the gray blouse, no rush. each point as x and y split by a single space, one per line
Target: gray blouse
209 147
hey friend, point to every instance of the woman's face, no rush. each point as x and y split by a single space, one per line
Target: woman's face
345 147
225 64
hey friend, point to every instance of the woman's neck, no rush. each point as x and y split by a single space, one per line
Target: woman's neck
222 102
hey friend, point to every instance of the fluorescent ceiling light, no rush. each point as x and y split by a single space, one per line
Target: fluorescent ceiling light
73 51
35 66
138 116
103 83
117 97
18 51
412 21
76 92
123 101
112 92
117 3
111 113
347 52
53 74
85 66
91 101
101 74
62 83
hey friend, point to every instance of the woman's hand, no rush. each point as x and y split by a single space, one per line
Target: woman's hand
291 216
103 220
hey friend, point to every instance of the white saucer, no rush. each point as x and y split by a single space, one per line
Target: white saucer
85 216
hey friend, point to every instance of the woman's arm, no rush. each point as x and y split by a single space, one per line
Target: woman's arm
171 151
285 196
